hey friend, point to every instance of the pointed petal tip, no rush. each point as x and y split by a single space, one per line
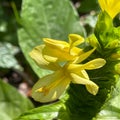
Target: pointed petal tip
75 39
92 88
90 85
101 62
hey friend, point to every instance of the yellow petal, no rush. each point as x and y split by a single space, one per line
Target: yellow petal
57 54
75 40
90 85
82 74
94 64
50 87
112 7
36 55
83 56
56 48
50 58
92 88
77 69
74 67
56 43
75 51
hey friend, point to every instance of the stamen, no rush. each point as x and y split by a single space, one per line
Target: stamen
43 90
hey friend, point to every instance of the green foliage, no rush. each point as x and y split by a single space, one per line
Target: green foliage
111 108
55 19
12 104
52 23
7 59
107 35
46 112
103 27
8 40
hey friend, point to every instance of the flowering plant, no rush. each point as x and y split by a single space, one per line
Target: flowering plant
84 72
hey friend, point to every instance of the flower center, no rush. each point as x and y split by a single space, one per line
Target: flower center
46 89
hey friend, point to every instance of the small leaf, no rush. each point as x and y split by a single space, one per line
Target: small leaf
92 40
12 104
104 22
7 59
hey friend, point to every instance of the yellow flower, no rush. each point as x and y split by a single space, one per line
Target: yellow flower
65 60
54 49
112 7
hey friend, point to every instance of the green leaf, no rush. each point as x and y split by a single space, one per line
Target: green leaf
7 58
46 112
103 27
46 18
12 104
104 23
107 35
111 108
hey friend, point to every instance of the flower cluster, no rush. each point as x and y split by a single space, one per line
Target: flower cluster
66 62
